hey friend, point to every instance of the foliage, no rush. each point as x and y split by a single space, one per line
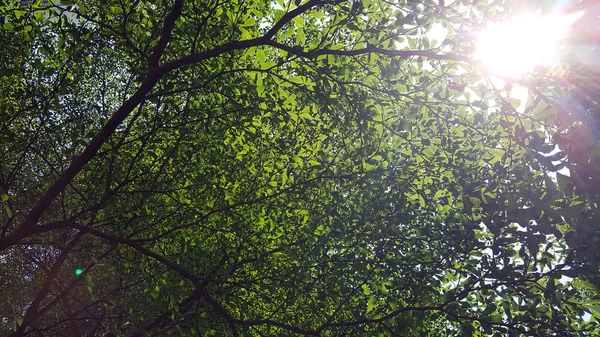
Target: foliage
259 168
573 120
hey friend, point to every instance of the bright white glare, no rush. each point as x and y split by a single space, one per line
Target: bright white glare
517 45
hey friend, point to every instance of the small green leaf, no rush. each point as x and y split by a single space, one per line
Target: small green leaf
371 304
489 310
260 88
18 14
562 181
9 212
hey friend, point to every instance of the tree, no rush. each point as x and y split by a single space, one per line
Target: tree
259 168
572 95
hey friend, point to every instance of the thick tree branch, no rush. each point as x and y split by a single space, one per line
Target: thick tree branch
237 45
157 72
165 36
28 226
217 51
369 50
21 233
153 76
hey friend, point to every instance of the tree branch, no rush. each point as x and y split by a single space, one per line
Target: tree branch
219 50
236 45
32 311
165 37
289 16
30 221
369 50
133 244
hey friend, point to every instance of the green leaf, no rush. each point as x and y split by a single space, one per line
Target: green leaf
489 310
514 102
343 161
19 13
9 211
371 304
475 201
260 88
562 181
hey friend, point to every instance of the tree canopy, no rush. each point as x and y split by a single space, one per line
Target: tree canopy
290 168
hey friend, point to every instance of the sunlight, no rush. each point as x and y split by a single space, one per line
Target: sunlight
514 47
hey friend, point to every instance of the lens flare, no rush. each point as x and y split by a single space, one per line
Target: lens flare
517 45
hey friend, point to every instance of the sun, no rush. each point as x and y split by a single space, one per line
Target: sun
515 46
